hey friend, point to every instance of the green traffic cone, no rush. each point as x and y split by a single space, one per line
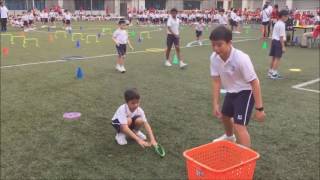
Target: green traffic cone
133 34
264 45
175 59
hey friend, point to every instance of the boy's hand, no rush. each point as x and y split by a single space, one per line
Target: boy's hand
143 143
283 49
216 111
153 143
260 116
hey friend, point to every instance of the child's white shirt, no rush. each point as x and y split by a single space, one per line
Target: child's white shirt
279 30
123 113
121 36
199 26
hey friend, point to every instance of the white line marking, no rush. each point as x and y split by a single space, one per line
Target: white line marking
301 85
100 56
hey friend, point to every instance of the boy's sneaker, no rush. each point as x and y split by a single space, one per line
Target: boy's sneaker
269 73
200 43
121 139
141 135
123 70
118 68
276 76
226 138
182 64
167 63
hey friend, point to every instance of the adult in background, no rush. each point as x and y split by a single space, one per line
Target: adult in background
4 16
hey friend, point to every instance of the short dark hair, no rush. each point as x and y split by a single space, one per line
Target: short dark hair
131 94
122 21
173 10
221 33
283 13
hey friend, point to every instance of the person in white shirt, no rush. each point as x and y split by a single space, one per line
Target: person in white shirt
25 20
67 17
222 17
52 17
234 21
129 119
199 27
4 16
31 18
173 38
265 19
232 69
278 44
120 37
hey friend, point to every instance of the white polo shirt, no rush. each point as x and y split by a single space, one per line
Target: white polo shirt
123 113
4 12
279 30
121 36
223 19
236 73
265 16
174 25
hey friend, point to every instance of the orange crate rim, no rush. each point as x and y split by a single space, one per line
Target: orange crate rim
185 154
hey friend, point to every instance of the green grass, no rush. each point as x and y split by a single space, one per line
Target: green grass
36 143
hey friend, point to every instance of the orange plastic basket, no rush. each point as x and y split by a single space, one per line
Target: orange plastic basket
221 160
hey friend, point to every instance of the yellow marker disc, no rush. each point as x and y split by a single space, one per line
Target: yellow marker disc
295 70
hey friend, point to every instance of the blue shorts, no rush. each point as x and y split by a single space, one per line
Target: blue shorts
116 123
276 49
238 106
121 49
198 33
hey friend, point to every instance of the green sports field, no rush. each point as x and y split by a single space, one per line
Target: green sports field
38 86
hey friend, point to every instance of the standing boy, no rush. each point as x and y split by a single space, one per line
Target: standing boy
173 38
233 70
278 44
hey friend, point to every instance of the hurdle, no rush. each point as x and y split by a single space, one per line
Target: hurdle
95 36
77 34
107 30
60 32
15 37
30 40
4 35
147 33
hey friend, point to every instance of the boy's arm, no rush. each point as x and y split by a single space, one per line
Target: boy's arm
170 30
125 129
114 39
282 43
256 90
150 134
130 45
216 86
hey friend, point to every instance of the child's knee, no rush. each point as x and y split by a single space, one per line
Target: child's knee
139 122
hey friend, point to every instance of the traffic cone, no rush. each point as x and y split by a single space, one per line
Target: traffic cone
175 59
79 73
264 45
5 51
78 44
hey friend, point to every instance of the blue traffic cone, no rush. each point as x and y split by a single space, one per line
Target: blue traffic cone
139 39
78 44
79 73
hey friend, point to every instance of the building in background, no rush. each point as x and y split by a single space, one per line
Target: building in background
121 7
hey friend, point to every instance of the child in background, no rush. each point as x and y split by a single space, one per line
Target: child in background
222 18
120 37
128 120
278 44
67 17
233 70
199 27
25 20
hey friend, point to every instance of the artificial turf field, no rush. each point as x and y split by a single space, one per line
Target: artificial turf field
36 143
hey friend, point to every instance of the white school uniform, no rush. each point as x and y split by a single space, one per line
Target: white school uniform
123 113
121 36
279 30
174 25
236 73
